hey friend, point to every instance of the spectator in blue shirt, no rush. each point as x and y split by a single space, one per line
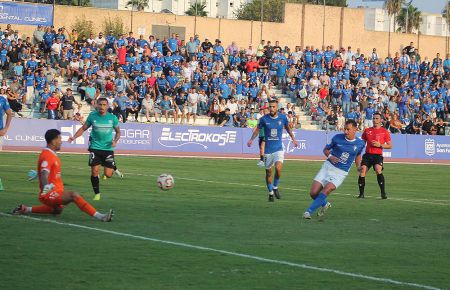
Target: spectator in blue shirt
120 106
132 107
369 111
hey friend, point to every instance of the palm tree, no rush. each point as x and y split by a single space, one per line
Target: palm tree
392 7
197 8
138 4
446 12
409 19
446 15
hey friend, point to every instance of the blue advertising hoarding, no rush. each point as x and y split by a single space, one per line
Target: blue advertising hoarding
220 140
197 139
26 14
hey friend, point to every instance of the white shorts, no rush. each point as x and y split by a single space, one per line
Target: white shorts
192 110
272 158
368 123
1 142
330 174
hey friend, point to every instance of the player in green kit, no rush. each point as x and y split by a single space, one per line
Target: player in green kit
101 143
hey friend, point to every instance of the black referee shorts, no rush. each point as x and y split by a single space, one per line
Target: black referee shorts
370 160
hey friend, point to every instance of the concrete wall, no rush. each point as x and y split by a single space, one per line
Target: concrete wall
303 26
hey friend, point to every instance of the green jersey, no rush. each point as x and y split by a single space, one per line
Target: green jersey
102 128
261 132
252 123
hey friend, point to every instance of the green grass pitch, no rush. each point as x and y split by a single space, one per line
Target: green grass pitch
222 205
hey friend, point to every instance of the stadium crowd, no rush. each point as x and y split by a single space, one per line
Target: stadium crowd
179 79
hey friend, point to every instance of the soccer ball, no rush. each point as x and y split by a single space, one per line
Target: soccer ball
165 181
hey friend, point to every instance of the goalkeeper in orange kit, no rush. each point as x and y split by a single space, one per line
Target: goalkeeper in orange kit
52 194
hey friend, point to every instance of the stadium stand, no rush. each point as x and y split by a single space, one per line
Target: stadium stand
58 74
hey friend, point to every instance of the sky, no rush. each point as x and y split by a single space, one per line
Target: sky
430 6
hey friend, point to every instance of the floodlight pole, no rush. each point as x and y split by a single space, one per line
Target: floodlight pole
132 17
323 30
53 13
195 18
262 18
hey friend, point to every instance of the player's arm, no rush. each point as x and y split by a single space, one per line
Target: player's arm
117 137
386 145
289 131
358 161
9 115
327 151
254 135
44 176
79 132
45 172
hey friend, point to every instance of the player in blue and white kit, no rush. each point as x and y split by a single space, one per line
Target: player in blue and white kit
4 109
273 124
343 150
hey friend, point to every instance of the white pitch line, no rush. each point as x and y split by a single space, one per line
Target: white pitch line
221 157
420 200
423 200
230 253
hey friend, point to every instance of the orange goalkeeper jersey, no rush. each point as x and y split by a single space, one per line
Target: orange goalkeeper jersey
49 161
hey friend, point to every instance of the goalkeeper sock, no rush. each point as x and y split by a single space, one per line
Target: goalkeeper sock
85 206
43 209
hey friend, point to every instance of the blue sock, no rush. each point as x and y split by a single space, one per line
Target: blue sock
320 200
276 181
270 187
324 203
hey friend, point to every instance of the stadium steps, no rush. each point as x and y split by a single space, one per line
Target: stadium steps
305 120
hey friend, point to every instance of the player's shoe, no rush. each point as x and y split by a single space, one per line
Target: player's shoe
108 217
361 196
271 198
260 163
118 173
277 193
323 209
20 209
97 196
383 196
307 215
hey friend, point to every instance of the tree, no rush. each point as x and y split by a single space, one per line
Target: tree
197 8
114 24
138 4
393 7
273 10
446 13
83 26
409 19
